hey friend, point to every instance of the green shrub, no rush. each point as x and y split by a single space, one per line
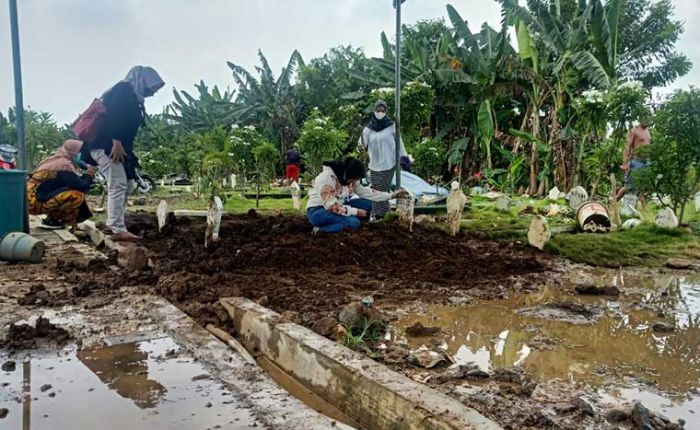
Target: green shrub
320 141
429 158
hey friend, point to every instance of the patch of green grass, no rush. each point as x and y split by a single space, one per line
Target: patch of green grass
484 217
367 331
239 204
646 245
234 204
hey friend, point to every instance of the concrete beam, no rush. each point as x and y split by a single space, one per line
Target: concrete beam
364 390
250 385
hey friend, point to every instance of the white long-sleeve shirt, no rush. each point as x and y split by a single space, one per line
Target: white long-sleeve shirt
382 148
328 192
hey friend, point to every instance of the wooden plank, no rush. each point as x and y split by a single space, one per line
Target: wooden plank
231 341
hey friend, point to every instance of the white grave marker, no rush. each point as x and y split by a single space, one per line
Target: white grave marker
666 218
296 195
538 234
214 214
455 206
577 197
162 213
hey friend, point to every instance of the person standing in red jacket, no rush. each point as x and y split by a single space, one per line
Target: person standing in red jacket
293 161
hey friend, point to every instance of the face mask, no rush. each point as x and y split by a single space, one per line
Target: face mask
380 115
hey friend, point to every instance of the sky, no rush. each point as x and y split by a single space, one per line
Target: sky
73 50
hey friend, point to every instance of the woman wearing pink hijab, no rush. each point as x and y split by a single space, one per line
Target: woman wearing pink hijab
56 190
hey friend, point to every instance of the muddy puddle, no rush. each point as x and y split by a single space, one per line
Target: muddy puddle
149 384
614 345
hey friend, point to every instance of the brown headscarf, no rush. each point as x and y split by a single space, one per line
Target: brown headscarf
62 160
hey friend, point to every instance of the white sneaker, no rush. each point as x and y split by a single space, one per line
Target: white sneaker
315 231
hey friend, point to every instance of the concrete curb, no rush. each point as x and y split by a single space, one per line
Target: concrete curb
364 390
274 406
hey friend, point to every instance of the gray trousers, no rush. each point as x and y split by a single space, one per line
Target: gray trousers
118 189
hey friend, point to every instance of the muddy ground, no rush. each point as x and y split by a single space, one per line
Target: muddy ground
278 262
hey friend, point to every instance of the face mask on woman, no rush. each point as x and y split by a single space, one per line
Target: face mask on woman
380 115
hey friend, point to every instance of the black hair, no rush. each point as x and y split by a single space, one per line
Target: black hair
354 169
347 170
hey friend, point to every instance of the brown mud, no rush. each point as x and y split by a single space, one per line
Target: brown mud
316 275
277 261
26 336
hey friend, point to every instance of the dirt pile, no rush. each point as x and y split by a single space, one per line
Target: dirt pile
25 336
316 275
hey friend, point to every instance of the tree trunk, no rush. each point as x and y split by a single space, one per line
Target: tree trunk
543 187
518 142
579 161
680 216
533 149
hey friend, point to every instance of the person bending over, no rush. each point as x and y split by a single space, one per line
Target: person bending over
56 190
331 207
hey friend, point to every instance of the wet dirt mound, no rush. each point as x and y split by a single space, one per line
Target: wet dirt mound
316 275
25 336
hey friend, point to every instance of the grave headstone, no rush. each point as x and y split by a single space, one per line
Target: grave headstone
697 202
493 195
538 234
405 205
629 206
455 206
503 203
162 214
233 180
296 195
666 218
476 191
631 223
215 211
577 197
554 194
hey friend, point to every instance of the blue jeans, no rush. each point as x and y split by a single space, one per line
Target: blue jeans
328 222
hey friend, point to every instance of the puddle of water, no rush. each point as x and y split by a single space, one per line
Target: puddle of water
673 407
126 386
620 346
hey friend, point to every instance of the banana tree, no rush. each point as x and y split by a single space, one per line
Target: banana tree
481 56
201 114
573 47
269 103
